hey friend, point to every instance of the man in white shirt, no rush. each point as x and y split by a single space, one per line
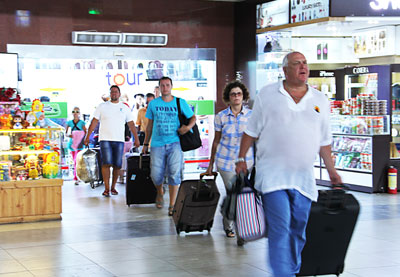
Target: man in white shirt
113 115
290 125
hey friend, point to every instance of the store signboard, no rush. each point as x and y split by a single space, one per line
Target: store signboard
374 42
365 8
273 13
322 73
82 82
51 109
301 10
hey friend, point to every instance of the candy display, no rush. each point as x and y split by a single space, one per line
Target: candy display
352 153
360 125
363 104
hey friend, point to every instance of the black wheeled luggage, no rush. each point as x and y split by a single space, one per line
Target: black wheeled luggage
195 205
139 186
99 163
329 230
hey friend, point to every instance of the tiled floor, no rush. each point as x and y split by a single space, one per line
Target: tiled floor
104 237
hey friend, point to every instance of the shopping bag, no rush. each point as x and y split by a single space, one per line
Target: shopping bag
191 140
87 168
78 138
250 219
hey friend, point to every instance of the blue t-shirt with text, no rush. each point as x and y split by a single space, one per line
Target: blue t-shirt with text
165 120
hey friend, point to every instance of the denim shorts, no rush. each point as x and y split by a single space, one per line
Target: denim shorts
167 158
112 152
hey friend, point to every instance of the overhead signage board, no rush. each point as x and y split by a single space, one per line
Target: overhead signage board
365 8
301 10
273 14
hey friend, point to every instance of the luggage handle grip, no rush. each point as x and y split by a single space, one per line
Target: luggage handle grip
340 187
215 174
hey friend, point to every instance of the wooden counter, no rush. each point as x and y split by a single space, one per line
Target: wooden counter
30 200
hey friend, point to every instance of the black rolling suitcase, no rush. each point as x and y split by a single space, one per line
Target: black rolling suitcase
99 163
139 186
329 230
195 205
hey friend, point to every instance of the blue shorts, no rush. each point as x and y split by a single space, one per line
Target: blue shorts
167 158
111 153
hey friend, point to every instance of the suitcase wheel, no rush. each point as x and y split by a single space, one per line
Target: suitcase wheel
239 241
92 185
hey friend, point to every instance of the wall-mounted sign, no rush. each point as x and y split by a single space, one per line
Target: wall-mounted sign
51 109
273 13
301 10
365 8
360 70
384 4
322 73
374 42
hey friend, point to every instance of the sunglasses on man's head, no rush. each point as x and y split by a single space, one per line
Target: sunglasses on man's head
75 111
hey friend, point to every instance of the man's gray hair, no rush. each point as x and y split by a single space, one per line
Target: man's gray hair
285 61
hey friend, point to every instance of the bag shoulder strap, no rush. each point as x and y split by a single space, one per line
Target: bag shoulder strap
178 103
75 126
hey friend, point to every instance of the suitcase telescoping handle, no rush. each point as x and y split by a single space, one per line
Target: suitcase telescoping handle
140 159
201 182
334 199
215 174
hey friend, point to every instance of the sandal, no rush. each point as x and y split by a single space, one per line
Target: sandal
114 192
170 210
106 193
159 201
229 234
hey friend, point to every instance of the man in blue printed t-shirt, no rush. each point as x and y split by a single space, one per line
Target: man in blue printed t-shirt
164 129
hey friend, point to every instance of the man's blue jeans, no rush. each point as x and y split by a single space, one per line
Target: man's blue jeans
286 212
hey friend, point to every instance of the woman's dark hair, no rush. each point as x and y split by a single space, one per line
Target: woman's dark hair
235 84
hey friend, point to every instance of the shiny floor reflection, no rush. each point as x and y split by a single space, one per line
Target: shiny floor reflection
104 237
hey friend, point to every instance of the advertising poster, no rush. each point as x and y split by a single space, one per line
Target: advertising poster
303 10
272 14
374 42
82 83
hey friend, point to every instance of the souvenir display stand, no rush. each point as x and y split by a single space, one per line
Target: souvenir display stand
30 183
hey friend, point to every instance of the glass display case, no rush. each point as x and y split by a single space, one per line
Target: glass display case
30 183
360 151
361 84
271 48
353 153
395 115
324 81
30 154
360 124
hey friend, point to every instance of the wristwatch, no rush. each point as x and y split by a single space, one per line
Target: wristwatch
240 160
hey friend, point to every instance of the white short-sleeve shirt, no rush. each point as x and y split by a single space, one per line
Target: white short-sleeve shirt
290 136
112 117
